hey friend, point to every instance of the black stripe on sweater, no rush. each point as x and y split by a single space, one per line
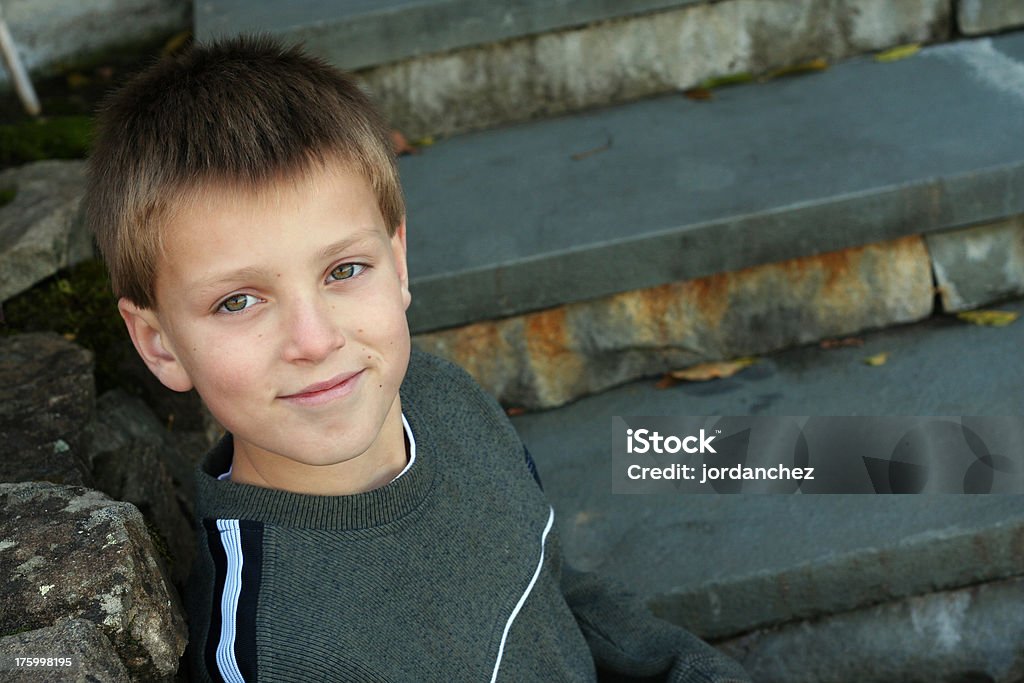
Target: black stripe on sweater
220 565
252 575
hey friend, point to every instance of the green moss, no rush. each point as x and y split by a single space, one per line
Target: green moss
59 137
7 195
131 53
79 304
159 543
23 629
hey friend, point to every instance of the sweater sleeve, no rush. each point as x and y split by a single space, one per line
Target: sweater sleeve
628 643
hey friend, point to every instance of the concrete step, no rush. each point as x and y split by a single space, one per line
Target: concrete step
669 189
366 33
725 565
440 67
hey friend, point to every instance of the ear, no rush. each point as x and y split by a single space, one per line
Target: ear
398 249
150 341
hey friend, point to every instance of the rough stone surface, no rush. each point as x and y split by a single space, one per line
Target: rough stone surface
40 230
624 59
968 635
71 551
978 265
987 16
356 35
548 358
47 397
51 32
94 657
134 459
513 220
731 563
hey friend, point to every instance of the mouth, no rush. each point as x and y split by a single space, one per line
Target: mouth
322 392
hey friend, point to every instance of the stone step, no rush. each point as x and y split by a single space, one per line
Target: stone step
669 189
366 33
725 565
439 67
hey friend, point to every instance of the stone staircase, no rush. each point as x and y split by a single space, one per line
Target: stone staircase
578 224
619 241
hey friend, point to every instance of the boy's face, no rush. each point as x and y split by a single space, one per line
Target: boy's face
286 311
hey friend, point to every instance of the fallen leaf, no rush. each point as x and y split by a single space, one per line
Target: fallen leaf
176 42
70 336
578 156
424 141
731 79
666 382
841 343
801 68
76 80
988 318
899 52
516 410
713 370
700 94
401 145
877 359
585 517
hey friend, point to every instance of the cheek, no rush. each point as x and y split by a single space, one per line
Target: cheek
227 371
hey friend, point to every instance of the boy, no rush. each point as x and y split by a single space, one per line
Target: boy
370 515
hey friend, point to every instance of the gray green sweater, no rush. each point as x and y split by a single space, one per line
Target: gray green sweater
452 572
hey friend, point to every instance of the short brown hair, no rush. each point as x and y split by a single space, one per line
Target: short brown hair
244 112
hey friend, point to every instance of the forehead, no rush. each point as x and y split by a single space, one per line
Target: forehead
231 226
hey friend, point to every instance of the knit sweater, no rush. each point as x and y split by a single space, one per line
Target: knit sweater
451 572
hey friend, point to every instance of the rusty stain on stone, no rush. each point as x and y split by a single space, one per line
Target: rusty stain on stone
546 358
556 368
711 295
546 336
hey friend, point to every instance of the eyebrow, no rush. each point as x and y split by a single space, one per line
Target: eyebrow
256 272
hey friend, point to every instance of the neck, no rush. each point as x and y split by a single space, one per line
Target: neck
372 469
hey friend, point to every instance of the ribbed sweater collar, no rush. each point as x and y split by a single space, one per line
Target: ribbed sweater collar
230 500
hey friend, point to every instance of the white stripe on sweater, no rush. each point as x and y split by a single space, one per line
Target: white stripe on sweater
230 538
526 593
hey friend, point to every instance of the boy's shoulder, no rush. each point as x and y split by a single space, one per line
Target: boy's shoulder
440 374
438 385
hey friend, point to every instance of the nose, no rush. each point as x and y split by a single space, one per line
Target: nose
312 329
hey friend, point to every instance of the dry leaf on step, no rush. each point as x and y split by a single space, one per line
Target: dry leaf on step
401 145
897 53
988 318
877 359
797 69
705 371
841 343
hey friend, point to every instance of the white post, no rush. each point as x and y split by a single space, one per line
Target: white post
22 83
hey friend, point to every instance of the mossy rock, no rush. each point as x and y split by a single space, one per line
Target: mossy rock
79 304
58 137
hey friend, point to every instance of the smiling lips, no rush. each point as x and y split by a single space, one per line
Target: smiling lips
324 392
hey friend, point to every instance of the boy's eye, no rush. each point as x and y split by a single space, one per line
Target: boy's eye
346 271
237 302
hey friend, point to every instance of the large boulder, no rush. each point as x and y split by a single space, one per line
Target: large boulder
67 551
47 398
41 229
134 459
92 657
